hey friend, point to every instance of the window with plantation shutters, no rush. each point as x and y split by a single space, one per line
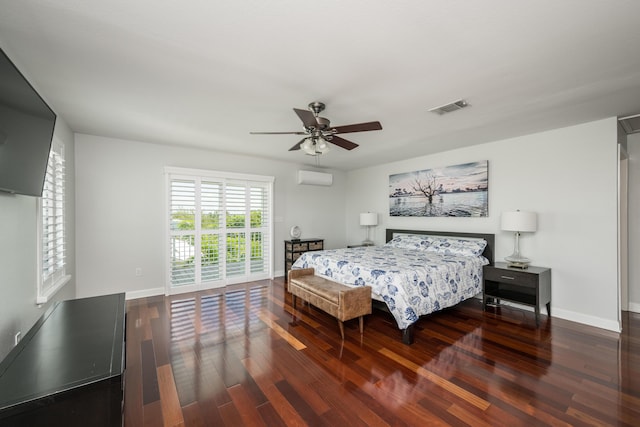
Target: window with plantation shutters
219 228
51 227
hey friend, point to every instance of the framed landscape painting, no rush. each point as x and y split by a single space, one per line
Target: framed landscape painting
451 191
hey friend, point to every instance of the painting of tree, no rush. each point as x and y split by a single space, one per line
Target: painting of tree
454 191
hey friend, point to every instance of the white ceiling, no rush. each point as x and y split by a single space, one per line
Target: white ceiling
204 73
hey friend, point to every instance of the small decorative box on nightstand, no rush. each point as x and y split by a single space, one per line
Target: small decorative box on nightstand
531 286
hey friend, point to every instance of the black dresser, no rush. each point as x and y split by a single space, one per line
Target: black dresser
68 370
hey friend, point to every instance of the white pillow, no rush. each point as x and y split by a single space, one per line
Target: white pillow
409 241
455 246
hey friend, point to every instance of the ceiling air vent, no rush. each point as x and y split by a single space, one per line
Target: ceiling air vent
448 108
630 124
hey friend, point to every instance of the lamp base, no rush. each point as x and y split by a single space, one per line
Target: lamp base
520 265
517 262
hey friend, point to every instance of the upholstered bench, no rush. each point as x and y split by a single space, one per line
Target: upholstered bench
340 301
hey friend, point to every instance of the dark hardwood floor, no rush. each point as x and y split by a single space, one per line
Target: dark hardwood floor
238 357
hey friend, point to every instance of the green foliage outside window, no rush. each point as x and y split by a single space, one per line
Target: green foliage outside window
211 221
185 220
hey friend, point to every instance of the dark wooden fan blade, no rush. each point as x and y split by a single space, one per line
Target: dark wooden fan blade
341 142
297 146
277 133
360 127
307 117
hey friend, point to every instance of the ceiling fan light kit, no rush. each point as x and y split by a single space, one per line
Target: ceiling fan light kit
318 131
315 146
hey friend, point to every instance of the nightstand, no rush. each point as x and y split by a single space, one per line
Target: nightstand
531 286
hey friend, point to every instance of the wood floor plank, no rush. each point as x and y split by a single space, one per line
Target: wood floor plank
171 409
308 393
287 412
380 415
347 408
452 414
152 414
133 389
160 341
436 379
193 416
230 415
211 413
246 407
150 388
248 383
301 406
242 356
295 343
270 416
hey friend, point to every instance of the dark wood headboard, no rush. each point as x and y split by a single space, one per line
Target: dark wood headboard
488 250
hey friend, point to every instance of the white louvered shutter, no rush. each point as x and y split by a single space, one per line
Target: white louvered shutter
220 230
211 234
182 211
259 250
236 209
52 231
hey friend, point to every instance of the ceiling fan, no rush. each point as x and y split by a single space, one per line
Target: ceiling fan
318 131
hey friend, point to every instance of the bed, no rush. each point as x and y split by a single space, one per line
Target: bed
415 273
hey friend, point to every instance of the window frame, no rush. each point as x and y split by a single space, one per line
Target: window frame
200 175
47 287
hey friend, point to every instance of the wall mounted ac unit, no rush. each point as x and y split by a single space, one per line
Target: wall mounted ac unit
314 178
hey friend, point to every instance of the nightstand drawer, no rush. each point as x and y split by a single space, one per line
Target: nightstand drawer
300 247
520 278
315 246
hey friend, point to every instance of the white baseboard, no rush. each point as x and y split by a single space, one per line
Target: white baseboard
634 307
144 293
598 322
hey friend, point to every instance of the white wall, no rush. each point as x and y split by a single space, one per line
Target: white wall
633 149
120 209
568 176
18 252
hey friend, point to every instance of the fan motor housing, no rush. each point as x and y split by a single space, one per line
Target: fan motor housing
322 123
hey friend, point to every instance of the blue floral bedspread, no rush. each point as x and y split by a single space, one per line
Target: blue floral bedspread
411 282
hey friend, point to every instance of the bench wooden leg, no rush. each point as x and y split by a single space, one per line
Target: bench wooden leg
293 301
341 328
361 325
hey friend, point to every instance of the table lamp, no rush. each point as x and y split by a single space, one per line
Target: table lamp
518 222
368 219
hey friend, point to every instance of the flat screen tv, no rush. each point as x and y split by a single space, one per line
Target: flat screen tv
26 130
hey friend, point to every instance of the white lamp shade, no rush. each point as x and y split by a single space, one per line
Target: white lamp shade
322 146
306 145
369 218
315 146
519 221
